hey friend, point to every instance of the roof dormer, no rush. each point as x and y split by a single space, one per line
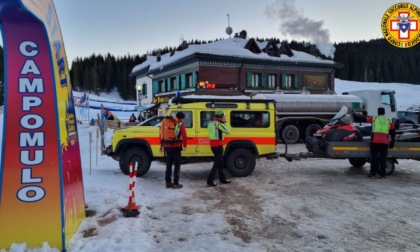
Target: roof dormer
271 49
285 49
252 46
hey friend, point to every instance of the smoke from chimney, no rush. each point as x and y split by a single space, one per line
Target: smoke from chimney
293 23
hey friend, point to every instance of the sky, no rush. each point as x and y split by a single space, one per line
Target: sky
138 26
308 205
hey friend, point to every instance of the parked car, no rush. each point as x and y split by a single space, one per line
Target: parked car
408 116
154 121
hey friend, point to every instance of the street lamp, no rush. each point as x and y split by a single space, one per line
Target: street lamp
139 94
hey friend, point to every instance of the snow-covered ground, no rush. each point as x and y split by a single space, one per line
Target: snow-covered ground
308 205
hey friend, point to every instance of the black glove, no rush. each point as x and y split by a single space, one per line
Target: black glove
391 144
392 138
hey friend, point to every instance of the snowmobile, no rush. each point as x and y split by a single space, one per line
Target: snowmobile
343 139
339 128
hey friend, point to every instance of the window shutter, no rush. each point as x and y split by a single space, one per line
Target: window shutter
194 79
283 81
155 87
177 82
249 79
296 81
183 81
263 80
168 84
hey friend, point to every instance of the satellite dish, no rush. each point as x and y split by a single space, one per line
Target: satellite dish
229 30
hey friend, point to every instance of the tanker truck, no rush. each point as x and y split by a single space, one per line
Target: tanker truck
301 115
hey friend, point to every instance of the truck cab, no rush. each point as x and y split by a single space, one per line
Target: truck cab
372 99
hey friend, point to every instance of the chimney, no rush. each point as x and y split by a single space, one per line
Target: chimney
158 56
243 34
184 45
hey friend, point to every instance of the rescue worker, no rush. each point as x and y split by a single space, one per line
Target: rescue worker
217 128
383 135
172 146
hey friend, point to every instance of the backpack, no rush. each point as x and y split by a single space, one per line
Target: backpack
170 130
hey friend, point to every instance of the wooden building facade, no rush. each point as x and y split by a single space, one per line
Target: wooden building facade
235 67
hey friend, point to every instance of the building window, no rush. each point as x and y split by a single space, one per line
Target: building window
162 86
289 81
272 81
256 80
172 84
144 90
189 80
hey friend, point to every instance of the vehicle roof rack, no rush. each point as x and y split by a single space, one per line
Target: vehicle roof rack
179 100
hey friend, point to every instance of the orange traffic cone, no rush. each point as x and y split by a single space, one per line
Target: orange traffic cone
131 210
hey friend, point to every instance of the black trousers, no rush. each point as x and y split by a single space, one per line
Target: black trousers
173 157
218 165
378 153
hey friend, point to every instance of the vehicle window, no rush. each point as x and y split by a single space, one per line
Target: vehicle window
155 121
152 121
387 99
188 117
253 119
205 117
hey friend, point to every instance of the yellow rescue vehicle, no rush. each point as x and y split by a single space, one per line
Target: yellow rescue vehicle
253 126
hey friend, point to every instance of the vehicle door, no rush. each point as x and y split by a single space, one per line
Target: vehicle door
190 128
202 135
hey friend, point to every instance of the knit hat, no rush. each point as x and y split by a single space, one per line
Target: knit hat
180 115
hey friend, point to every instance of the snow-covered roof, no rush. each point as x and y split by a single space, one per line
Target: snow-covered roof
234 47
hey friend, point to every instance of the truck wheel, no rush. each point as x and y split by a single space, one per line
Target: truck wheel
240 162
290 134
390 166
135 155
357 162
311 129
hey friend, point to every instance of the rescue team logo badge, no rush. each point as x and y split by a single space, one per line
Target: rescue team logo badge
400 25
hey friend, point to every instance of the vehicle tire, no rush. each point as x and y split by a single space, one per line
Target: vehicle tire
311 129
290 134
390 166
240 162
134 155
357 162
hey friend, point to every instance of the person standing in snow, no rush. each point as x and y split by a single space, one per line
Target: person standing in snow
217 128
383 136
132 118
110 116
173 137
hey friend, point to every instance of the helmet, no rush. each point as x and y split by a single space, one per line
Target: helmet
219 113
180 115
